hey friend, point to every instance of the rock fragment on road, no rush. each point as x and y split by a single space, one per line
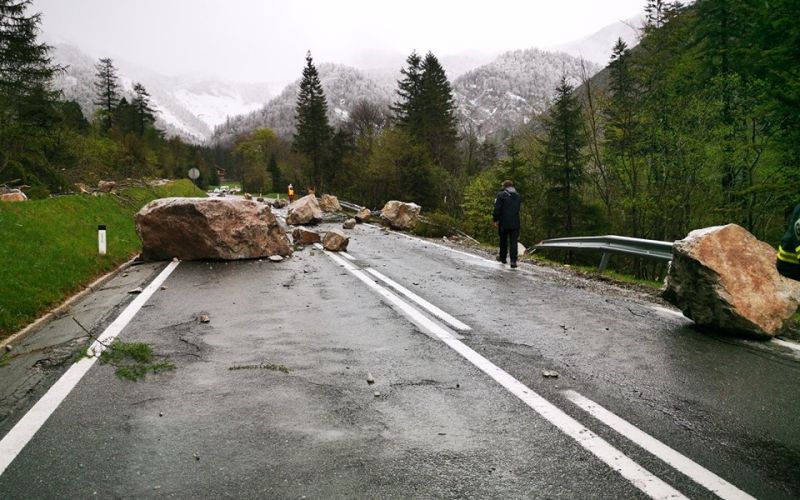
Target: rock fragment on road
349 224
306 210
400 215
305 236
335 241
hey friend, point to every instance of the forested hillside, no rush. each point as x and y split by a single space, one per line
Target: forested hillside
48 143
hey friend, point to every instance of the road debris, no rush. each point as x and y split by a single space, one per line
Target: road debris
275 258
377 394
549 374
204 318
370 379
136 291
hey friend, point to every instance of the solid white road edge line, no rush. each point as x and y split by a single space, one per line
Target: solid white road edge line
685 465
458 325
647 482
19 436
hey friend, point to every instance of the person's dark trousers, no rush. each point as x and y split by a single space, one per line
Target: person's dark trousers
508 244
789 270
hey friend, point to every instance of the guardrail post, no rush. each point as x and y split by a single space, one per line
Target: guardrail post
604 262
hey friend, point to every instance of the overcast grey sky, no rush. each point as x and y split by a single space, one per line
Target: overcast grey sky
266 40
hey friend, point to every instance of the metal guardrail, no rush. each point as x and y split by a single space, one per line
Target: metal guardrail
661 250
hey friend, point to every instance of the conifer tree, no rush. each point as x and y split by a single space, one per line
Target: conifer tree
426 108
405 109
145 114
106 91
563 162
275 174
313 131
26 97
437 108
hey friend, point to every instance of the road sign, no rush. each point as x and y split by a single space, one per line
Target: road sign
194 174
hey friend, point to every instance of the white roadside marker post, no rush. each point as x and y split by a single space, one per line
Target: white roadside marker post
101 239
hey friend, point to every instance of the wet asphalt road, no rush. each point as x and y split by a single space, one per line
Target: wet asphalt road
224 424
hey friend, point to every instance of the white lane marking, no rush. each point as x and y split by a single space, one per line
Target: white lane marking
19 436
616 460
693 470
790 345
458 325
348 256
413 314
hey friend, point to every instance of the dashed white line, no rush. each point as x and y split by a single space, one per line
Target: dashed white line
447 318
348 256
19 436
685 465
647 482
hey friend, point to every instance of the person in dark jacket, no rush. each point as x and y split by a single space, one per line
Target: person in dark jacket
788 263
506 220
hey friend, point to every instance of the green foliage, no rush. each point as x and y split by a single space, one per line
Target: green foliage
426 109
436 225
133 360
313 131
257 150
49 248
563 163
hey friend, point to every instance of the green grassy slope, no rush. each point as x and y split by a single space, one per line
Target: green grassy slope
48 248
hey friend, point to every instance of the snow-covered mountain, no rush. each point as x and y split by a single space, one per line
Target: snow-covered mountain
493 98
343 87
501 95
597 47
187 107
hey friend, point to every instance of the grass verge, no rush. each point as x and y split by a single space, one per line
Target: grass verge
49 247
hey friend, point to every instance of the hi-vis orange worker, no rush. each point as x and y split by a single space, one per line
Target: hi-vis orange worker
291 193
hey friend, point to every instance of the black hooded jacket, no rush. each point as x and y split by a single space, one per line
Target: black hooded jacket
506 208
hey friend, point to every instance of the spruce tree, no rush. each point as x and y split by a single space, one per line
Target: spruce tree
26 97
426 108
563 162
405 109
313 131
275 174
437 108
145 114
106 91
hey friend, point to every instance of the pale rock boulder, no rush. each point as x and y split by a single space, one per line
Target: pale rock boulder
349 224
248 196
303 236
13 196
329 203
724 278
304 211
400 215
106 186
363 215
209 228
335 241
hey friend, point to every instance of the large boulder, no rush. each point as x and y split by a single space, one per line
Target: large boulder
724 278
209 228
13 196
303 236
363 215
329 203
335 241
400 215
304 211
